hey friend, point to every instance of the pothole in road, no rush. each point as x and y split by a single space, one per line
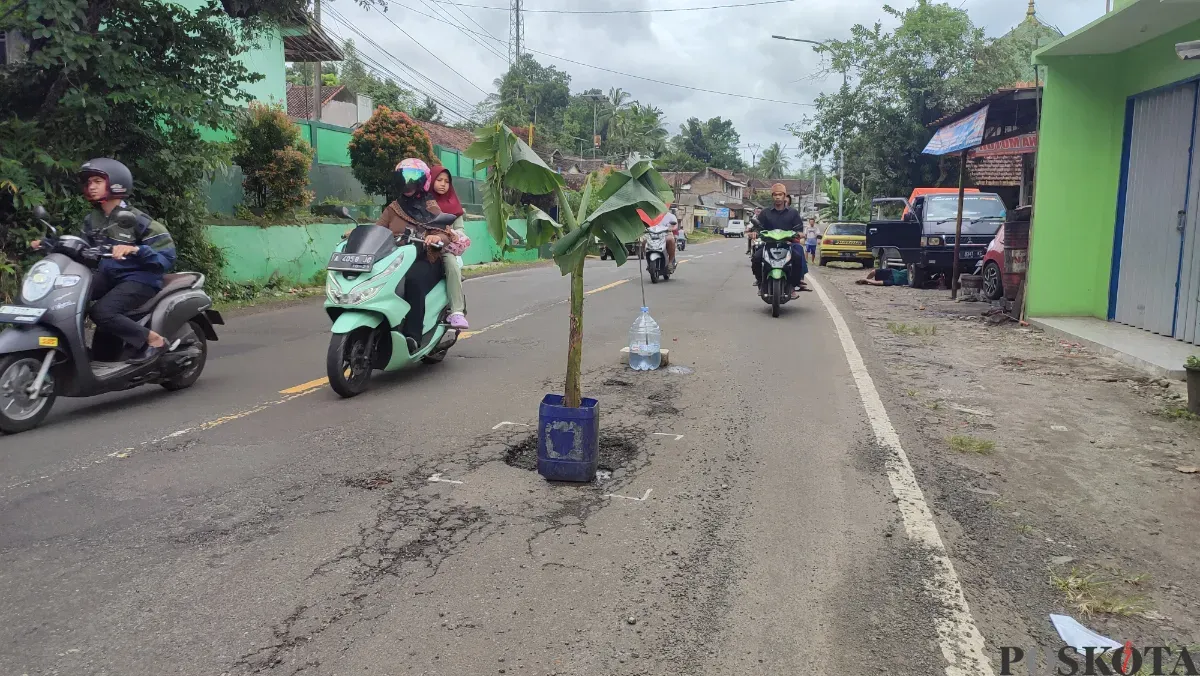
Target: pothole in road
369 481
662 403
618 449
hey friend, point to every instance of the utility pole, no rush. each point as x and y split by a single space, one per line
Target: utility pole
516 32
841 147
315 115
753 153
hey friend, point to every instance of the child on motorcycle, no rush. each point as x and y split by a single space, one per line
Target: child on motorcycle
448 203
410 212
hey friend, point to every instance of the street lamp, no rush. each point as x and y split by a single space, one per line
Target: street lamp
841 145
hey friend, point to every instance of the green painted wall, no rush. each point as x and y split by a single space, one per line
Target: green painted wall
1079 169
299 252
292 252
264 57
332 144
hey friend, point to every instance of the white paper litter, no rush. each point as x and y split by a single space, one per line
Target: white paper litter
1078 636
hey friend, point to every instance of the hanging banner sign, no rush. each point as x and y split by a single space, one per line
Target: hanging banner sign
961 135
1018 145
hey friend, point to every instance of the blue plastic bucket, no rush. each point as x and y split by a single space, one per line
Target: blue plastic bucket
568 439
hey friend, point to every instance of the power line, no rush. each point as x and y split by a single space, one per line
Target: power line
439 59
433 83
385 73
617 72
459 25
625 11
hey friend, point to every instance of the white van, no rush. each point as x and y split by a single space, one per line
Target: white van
735 228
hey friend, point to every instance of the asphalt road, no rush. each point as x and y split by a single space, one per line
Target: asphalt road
747 523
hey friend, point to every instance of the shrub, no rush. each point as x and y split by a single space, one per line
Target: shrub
274 159
378 146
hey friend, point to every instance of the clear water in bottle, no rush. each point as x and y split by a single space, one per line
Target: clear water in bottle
645 340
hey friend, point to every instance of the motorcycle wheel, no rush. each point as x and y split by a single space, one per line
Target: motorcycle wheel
348 362
188 336
776 296
17 412
654 274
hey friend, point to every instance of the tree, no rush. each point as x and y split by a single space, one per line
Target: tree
274 159
383 92
857 208
386 138
428 111
512 165
933 63
530 93
774 164
127 79
714 143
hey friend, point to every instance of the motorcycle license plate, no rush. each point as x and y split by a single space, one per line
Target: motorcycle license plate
15 314
352 262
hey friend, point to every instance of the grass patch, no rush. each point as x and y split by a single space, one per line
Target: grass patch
485 269
901 329
1177 413
234 295
934 405
1025 529
1091 594
962 443
912 394
697 236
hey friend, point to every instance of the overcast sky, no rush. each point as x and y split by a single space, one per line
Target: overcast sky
728 50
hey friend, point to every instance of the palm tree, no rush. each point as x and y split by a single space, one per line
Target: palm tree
774 164
616 102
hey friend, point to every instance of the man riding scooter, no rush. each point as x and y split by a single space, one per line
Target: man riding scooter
672 222
781 217
142 252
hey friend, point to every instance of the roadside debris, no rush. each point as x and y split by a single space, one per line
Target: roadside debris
1078 636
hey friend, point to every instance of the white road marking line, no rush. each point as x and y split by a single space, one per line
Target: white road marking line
437 479
499 425
669 434
961 642
626 497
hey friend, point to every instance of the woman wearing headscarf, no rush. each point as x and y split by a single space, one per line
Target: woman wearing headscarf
448 203
411 211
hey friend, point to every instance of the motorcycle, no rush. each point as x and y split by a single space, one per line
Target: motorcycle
45 355
364 299
656 253
774 288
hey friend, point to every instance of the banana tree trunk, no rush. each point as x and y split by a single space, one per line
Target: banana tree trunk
573 390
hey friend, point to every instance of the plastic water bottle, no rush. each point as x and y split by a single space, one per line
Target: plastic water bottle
645 340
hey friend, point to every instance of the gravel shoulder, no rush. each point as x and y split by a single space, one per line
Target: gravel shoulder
1059 477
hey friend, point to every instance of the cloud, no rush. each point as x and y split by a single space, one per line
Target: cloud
727 50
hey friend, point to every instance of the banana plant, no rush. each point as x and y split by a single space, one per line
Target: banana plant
513 167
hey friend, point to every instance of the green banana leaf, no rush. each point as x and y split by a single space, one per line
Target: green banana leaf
499 149
541 228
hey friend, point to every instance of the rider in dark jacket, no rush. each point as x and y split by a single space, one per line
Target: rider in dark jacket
781 217
142 252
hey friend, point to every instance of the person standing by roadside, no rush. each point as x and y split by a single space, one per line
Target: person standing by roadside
811 235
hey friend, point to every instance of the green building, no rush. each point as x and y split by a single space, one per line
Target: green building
1118 184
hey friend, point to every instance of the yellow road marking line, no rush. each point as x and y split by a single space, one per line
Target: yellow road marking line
305 387
606 287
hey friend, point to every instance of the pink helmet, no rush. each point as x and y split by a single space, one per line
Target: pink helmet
413 173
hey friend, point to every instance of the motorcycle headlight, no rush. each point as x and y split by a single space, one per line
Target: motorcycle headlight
39 281
362 296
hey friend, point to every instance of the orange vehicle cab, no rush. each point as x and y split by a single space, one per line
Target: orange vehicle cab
919 192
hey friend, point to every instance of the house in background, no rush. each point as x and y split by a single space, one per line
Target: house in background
1116 221
799 190
339 106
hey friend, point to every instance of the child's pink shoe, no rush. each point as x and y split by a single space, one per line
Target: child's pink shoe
458 321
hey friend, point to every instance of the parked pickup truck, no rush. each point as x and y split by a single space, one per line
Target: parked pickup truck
923 235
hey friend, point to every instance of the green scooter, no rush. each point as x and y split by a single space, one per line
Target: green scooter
363 297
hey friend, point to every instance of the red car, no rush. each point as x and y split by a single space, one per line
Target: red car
993 267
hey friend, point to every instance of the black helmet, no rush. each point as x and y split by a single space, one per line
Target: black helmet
120 180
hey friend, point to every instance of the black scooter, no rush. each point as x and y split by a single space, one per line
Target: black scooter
45 353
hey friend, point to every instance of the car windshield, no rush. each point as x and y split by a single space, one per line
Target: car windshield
847 229
975 207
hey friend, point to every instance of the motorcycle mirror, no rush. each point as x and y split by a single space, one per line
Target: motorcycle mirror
39 212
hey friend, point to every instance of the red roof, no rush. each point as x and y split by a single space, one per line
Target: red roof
299 99
447 137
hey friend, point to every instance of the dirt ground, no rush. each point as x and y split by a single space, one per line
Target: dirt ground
1063 480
